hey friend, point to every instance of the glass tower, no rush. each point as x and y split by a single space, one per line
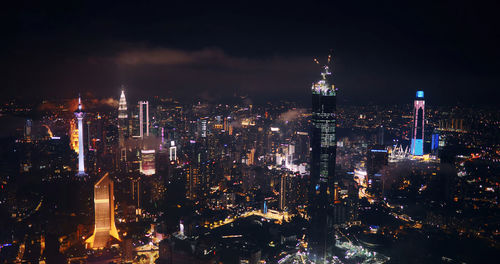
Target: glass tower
323 153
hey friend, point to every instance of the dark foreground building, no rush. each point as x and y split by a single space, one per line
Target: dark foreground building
322 187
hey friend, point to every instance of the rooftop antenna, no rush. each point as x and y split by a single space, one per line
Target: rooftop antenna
79 102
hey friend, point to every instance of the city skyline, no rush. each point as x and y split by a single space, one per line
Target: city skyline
217 133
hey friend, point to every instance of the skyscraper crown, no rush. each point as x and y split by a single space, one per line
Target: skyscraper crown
324 85
122 106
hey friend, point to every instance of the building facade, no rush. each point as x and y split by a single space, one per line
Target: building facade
417 135
322 178
104 227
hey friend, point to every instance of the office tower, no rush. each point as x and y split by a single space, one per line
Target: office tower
380 135
283 201
435 142
122 124
417 135
251 157
104 227
376 160
162 138
193 181
136 194
73 132
203 128
147 162
79 115
172 151
27 130
322 178
143 116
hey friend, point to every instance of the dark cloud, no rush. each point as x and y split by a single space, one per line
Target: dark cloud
383 50
171 57
212 71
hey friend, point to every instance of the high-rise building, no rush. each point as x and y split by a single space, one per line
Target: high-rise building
73 132
203 127
172 151
284 188
104 227
376 159
322 178
136 194
143 119
380 135
147 162
251 157
79 116
435 142
27 130
417 135
122 126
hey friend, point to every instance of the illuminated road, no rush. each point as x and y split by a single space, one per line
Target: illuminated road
271 214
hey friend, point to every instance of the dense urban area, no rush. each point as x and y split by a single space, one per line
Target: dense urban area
165 181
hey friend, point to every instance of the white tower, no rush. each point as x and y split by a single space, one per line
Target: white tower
79 115
173 151
142 105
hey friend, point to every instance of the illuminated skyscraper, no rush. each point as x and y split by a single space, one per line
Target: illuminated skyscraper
147 162
104 228
417 135
73 138
283 201
27 130
143 116
172 151
122 125
122 106
79 115
203 123
323 154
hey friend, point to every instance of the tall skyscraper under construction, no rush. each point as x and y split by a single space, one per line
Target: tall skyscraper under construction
417 133
323 154
104 227
79 116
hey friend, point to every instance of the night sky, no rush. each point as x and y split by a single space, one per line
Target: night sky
383 50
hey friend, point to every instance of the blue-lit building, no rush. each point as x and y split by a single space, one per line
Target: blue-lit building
417 134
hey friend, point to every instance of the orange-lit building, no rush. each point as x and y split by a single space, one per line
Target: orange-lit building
104 228
73 136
